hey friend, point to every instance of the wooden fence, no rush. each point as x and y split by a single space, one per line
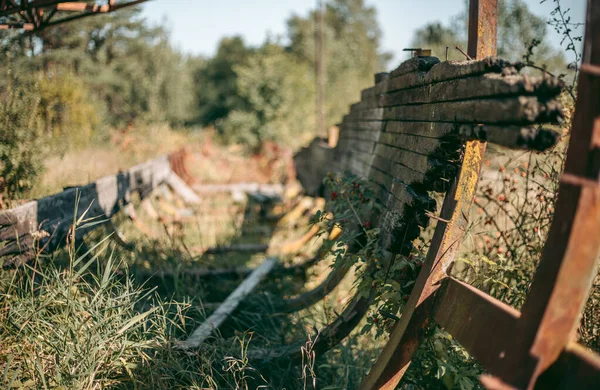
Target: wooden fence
421 128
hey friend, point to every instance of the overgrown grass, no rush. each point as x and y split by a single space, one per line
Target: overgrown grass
77 328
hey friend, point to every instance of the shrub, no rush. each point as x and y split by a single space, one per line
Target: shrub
21 154
66 108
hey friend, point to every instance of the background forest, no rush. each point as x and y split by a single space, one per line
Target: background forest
90 98
83 80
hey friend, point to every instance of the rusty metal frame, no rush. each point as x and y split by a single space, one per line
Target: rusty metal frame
552 310
534 348
36 15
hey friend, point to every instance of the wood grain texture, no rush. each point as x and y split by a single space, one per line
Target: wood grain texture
45 223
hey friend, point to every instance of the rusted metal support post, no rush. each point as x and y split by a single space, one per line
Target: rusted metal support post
483 28
552 310
417 315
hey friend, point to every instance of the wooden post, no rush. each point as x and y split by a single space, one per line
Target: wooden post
320 70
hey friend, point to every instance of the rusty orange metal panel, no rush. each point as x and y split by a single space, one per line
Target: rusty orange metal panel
481 324
483 28
552 310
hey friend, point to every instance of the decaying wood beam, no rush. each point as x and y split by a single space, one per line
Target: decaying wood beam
45 223
295 246
521 110
478 87
254 248
149 209
266 189
414 135
415 64
182 189
228 306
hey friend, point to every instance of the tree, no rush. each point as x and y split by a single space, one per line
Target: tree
21 152
279 93
216 82
352 54
128 66
518 27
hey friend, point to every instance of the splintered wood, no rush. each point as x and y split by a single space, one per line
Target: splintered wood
44 224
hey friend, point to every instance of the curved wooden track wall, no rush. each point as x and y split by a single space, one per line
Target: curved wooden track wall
422 128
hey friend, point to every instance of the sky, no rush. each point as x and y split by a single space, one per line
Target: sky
197 25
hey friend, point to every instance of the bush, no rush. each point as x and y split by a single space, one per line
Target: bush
21 154
280 95
66 108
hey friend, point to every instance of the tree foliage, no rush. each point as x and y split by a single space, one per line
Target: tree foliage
518 29
268 93
128 66
20 128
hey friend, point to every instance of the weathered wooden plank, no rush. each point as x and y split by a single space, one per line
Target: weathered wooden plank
372 126
398 171
182 189
254 248
367 114
407 195
418 162
449 70
368 102
250 187
420 128
374 91
484 86
514 137
415 64
416 144
357 145
48 220
359 135
520 110
229 305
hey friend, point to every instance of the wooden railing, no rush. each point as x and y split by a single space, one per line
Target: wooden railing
44 225
401 136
